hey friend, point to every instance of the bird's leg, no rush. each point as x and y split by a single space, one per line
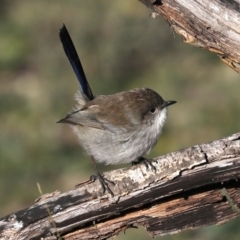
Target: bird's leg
146 162
101 179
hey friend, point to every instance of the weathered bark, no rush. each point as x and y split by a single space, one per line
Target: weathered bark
191 188
213 25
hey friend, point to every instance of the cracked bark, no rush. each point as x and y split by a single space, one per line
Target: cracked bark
213 25
191 188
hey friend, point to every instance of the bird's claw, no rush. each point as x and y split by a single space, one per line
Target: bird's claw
146 162
103 181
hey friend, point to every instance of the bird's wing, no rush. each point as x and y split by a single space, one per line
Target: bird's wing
83 118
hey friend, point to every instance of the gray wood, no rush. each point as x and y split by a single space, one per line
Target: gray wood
213 25
191 188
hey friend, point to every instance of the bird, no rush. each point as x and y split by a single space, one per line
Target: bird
117 128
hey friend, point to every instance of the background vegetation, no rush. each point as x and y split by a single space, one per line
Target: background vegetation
121 47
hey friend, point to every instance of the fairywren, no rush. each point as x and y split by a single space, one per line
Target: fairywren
117 128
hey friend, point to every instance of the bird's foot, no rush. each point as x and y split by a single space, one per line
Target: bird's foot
103 181
146 162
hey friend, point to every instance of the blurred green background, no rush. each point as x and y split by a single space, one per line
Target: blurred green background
121 47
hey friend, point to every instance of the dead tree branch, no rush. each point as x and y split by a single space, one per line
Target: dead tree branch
191 188
213 25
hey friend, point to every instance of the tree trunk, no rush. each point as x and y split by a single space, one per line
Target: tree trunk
190 188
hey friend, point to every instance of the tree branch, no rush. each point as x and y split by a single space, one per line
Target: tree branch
191 188
213 25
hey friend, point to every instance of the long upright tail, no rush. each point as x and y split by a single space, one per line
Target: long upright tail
73 58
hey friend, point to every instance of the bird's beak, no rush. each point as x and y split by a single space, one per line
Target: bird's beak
168 103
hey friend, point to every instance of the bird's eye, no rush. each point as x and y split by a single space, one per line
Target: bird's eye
153 110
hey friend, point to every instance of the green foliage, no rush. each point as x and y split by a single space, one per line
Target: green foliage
121 47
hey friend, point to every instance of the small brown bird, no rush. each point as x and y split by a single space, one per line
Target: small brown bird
118 128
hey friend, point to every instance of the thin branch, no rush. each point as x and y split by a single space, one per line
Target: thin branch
213 25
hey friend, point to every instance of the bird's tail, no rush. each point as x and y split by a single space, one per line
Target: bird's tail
74 59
